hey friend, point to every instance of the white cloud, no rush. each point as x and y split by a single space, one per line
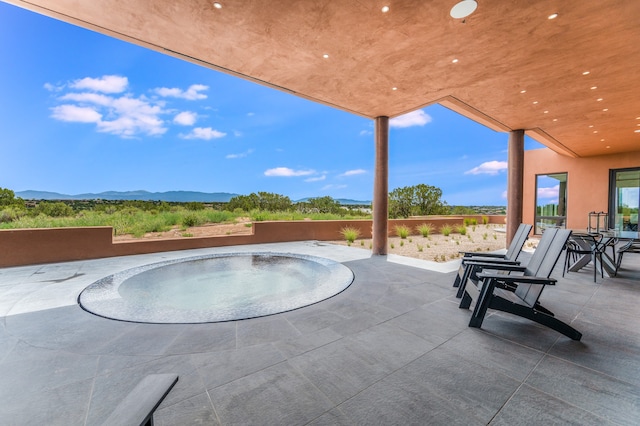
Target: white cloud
104 84
331 186
206 133
489 168
287 172
549 193
354 172
185 118
316 179
191 94
365 132
414 118
504 194
241 155
73 113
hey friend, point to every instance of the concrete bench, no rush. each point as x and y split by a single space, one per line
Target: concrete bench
138 406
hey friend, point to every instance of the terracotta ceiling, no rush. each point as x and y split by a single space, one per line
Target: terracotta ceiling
573 82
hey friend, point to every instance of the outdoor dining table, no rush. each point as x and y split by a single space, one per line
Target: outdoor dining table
598 243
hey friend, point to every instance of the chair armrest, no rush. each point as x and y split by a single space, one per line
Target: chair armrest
482 259
518 279
478 254
499 266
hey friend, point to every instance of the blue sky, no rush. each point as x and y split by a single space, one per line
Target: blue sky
83 112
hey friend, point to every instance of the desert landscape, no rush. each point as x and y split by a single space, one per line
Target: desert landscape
436 247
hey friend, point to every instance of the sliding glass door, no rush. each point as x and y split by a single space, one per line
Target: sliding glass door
624 199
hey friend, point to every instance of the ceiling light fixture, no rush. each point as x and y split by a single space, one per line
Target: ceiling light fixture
594 87
636 131
599 99
455 61
326 56
394 88
535 102
606 109
217 5
555 119
552 16
463 9
385 9
546 112
608 146
586 73
523 91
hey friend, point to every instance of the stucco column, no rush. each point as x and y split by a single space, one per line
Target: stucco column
381 187
515 180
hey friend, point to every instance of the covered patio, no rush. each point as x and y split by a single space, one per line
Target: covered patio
394 348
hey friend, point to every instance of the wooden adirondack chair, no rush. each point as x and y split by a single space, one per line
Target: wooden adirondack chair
519 294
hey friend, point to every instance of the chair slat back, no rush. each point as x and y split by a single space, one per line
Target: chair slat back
541 251
518 241
530 293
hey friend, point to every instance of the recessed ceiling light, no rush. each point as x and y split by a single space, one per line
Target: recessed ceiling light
394 88
326 56
599 99
463 9
552 16
455 61
590 125
637 131
594 87
608 146
523 91
637 118
586 73
535 102
595 131
217 5
385 9
546 112
601 140
605 109
555 119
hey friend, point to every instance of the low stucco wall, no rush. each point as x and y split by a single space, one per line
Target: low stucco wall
35 246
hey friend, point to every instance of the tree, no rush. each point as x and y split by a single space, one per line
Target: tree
416 200
324 205
264 201
8 199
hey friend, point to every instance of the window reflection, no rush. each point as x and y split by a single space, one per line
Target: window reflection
551 201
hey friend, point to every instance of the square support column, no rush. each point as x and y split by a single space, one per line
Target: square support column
515 181
381 187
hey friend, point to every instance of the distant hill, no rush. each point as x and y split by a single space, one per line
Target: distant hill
176 196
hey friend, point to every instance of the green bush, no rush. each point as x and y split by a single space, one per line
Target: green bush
462 230
402 231
485 220
445 230
425 229
350 234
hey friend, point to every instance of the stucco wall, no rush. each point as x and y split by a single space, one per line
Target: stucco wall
587 181
34 246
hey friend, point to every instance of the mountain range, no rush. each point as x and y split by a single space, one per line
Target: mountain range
175 196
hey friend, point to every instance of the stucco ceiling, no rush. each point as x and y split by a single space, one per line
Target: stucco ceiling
515 68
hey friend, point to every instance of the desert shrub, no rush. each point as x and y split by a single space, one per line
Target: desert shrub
190 220
420 248
425 229
194 206
462 230
485 220
57 209
402 231
445 230
350 234
484 236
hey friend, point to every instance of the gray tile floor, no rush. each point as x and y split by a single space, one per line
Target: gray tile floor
394 348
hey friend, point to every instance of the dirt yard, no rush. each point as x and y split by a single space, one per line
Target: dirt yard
437 247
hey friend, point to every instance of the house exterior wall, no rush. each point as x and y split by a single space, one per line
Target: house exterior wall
587 181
